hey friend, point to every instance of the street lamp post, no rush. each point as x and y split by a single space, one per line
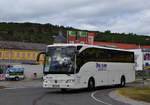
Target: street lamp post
147 39
143 66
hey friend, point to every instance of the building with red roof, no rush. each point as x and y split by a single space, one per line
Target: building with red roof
120 45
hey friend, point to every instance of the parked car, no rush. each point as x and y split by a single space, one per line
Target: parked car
16 72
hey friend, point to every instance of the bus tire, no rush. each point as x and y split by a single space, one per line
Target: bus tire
122 81
91 84
17 78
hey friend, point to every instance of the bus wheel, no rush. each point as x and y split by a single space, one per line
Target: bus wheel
123 82
91 84
17 78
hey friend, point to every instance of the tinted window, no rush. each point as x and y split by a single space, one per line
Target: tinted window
103 55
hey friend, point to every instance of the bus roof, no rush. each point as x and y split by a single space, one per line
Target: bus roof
86 45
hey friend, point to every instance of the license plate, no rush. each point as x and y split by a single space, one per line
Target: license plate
55 86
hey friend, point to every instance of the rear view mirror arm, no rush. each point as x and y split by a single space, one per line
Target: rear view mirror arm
38 56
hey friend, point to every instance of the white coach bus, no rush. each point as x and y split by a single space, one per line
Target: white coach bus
74 66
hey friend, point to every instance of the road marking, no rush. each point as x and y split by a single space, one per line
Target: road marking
92 95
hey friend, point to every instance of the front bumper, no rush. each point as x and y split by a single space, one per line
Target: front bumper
72 85
56 85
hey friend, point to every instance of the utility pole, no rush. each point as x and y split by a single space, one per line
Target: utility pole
143 65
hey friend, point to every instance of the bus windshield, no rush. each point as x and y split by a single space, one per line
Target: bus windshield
60 60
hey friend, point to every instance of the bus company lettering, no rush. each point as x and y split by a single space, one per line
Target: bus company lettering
101 67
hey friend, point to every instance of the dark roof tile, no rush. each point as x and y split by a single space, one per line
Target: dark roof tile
22 45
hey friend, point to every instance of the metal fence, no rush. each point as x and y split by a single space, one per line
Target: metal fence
143 74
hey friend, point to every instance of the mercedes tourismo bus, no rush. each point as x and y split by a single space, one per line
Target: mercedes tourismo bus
74 66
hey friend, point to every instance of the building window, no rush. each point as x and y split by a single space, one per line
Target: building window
6 54
11 54
82 42
29 55
18 55
23 55
71 42
147 56
33 55
0 54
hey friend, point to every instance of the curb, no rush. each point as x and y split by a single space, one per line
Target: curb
13 88
114 96
2 87
22 84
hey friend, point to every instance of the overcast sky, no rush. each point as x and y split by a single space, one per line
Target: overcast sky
116 15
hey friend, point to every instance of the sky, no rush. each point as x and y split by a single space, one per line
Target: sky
122 16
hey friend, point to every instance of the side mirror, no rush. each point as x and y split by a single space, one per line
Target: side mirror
76 52
38 56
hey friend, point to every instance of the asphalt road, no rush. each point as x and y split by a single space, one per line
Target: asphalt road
40 96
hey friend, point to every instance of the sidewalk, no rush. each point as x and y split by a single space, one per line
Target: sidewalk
21 84
117 97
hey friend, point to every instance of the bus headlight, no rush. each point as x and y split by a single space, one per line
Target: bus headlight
45 81
70 80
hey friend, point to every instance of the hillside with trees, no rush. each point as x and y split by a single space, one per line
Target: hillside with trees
45 33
